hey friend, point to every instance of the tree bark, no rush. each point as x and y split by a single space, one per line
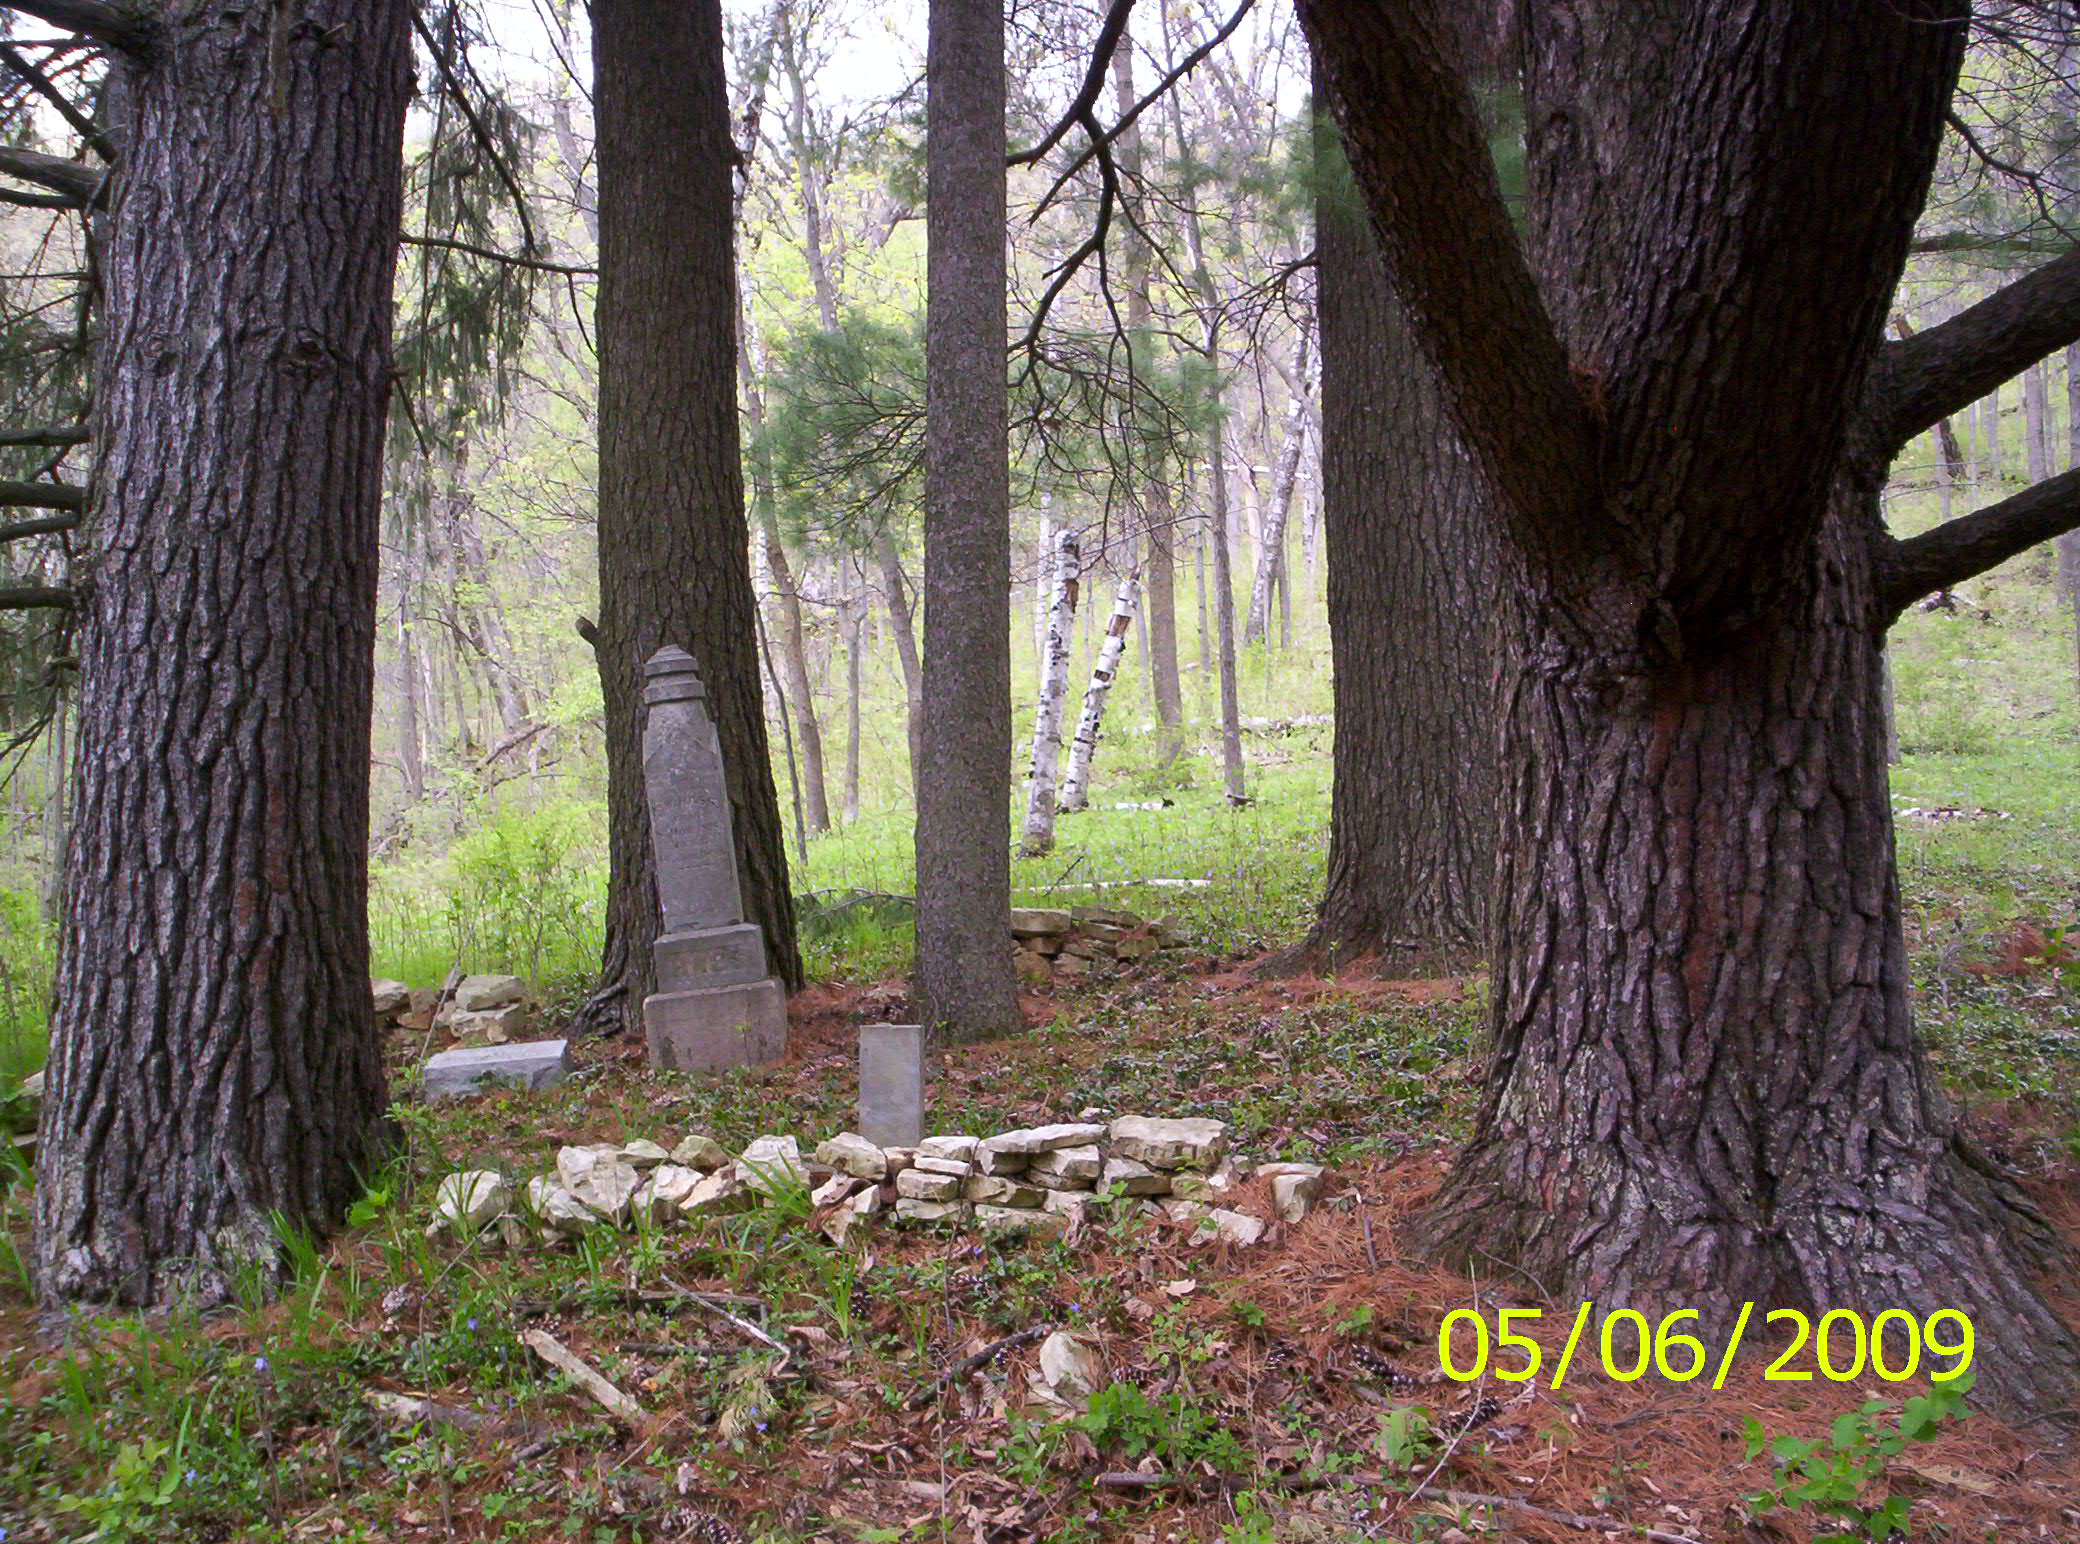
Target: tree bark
1411 621
674 549
965 988
895 592
851 621
2036 427
211 1063
1076 786
1037 834
2069 543
1704 1086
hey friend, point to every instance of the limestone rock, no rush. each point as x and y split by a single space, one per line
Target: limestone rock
480 994
899 1158
771 1164
491 1026
1020 1221
839 1222
1083 1164
469 1200
1072 965
990 1160
957 1167
1205 1187
920 1185
914 1209
1274 1170
643 1154
1135 946
1039 922
850 1153
599 1177
1042 1139
1133 1178
718 1194
701 1152
1237 1228
962 1148
556 1208
1068 1368
32 1090
670 1186
834 1190
389 997
1032 968
1003 1190
1169 1144
1181 1209
1072 1204
1103 916
1293 1195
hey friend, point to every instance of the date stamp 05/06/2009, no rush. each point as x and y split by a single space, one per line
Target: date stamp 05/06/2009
1843 1346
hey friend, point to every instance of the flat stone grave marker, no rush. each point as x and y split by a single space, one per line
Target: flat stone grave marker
528 1064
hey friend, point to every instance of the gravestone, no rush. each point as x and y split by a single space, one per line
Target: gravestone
532 1065
891 1084
715 1005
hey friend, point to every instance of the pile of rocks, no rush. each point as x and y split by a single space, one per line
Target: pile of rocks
1035 1182
475 1010
1067 943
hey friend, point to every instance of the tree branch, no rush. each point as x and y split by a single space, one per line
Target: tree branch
1109 34
37 495
1957 549
70 434
76 181
447 245
41 84
21 200
1420 158
33 597
115 25
1947 367
47 526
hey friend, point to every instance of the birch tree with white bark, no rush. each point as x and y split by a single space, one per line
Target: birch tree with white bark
1038 835
1076 786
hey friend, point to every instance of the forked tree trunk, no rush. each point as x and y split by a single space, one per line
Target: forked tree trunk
674 547
1076 786
212 1071
1037 834
1703 1087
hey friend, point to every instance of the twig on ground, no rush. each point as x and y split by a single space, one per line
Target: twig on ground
558 1355
1547 1514
966 1365
709 1301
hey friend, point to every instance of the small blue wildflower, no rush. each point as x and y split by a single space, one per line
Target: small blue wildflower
473 1326
259 1364
761 1425
188 1478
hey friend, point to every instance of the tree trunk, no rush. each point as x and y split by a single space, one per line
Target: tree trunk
1701 1092
2036 423
1273 545
1158 516
212 1068
1411 621
411 745
896 593
965 988
852 618
1990 416
1037 835
674 550
794 658
2069 544
1076 787
1224 618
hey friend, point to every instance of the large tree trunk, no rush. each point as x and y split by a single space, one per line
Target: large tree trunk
965 987
1411 625
1704 1089
212 1069
674 551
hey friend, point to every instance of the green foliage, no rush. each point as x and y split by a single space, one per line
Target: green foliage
524 899
28 957
1830 1478
1121 1419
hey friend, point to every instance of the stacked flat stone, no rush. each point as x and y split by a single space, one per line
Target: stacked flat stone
1035 1182
479 1011
1049 943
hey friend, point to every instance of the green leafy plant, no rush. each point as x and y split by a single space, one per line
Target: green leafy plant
1829 1478
143 1481
1120 1418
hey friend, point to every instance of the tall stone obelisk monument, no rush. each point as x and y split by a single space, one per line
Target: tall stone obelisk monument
716 1006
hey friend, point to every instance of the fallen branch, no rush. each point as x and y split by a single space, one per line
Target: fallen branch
968 1364
564 1360
1546 1514
712 1302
